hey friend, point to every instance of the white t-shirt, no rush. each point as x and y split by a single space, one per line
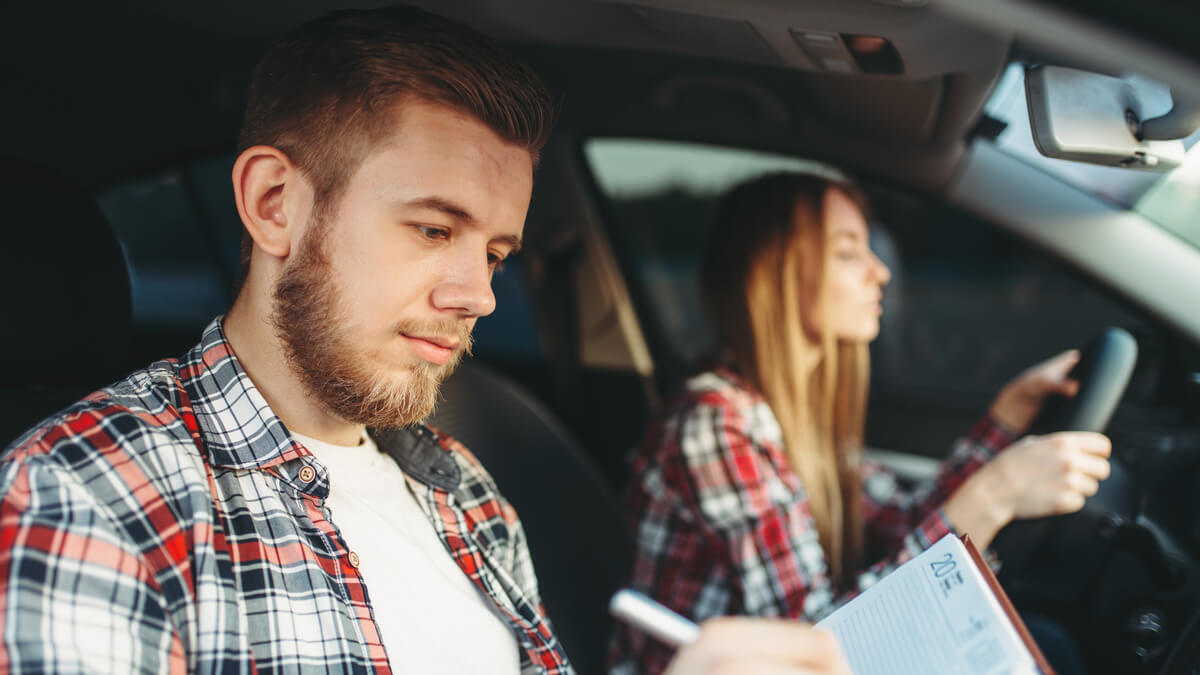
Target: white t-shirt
431 617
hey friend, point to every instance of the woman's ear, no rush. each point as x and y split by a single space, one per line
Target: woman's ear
264 182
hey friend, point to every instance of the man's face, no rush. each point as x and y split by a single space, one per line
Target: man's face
377 304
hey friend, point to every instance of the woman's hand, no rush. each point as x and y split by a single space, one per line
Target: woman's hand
1037 476
1019 401
1052 475
746 645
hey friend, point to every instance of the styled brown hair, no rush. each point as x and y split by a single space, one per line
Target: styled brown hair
326 92
763 286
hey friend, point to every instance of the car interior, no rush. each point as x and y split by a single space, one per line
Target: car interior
118 136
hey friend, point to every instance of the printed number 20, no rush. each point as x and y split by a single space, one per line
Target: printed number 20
944 566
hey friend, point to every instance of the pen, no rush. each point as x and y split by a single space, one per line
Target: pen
648 616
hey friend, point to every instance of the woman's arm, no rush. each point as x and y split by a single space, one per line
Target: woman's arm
1039 476
891 513
979 489
986 503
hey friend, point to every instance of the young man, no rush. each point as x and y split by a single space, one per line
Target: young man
271 500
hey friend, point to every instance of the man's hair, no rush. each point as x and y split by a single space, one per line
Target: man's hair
326 93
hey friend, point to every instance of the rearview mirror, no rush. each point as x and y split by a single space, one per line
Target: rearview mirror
1088 117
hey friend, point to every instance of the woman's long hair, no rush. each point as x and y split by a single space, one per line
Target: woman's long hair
762 283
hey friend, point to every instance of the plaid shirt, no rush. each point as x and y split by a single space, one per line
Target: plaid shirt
170 523
722 525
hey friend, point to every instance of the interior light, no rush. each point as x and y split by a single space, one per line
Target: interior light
874 54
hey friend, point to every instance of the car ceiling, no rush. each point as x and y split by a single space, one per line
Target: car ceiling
106 91
122 87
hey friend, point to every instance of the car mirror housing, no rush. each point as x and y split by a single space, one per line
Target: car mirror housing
1097 119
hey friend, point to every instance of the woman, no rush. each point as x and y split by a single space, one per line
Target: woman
749 494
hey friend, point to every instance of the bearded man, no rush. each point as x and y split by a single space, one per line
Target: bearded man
271 501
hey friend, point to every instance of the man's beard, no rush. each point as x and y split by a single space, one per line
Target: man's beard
314 330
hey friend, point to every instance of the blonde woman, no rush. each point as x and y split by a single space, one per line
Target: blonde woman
749 494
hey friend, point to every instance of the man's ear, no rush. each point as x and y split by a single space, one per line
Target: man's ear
266 187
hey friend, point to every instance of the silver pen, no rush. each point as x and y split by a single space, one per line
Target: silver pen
653 618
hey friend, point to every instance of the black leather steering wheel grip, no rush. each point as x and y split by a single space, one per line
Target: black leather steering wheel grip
1103 372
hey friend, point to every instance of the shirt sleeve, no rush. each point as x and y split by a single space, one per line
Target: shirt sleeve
897 519
76 595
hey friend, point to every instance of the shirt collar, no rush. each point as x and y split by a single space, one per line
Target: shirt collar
241 431
420 454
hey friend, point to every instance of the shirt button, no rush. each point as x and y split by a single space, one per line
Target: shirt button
307 473
353 558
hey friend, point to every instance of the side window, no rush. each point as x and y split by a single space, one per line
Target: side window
658 196
969 305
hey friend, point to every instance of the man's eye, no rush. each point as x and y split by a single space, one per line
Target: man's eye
848 255
430 232
495 262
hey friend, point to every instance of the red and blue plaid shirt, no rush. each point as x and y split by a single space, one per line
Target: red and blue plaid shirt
722 526
170 523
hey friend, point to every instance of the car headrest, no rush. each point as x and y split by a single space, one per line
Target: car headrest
65 294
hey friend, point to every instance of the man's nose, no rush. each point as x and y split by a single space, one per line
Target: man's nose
466 288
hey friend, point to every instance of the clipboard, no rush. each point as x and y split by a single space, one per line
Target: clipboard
1022 631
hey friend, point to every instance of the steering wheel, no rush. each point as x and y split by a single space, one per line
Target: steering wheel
1032 551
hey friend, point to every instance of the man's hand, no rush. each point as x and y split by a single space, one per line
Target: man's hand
747 646
1019 401
1037 476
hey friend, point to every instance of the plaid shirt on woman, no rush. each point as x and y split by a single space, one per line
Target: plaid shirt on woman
722 525
170 523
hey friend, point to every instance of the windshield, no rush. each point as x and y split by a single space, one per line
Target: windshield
1171 200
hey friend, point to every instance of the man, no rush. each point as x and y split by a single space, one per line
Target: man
230 511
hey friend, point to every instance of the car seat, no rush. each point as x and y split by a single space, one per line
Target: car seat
577 535
67 310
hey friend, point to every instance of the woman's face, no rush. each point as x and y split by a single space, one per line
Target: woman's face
854 276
